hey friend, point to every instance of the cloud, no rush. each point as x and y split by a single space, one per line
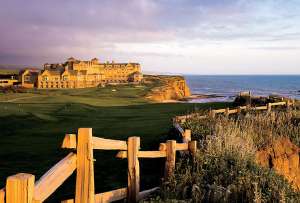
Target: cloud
42 31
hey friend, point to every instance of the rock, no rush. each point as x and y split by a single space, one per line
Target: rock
283 156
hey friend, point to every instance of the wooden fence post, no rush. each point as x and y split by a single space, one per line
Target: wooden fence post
193 147
170 159
269 107
2 196
227 112
20 188
85 189
133 169
187 136
212 114
239 110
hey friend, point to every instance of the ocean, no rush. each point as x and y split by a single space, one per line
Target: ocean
228 86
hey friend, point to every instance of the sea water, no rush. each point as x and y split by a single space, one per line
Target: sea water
228 86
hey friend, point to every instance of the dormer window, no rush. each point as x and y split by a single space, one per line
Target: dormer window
45 78
65 78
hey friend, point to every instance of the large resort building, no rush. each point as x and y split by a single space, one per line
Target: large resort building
82 74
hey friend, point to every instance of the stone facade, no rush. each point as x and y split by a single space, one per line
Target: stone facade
82 74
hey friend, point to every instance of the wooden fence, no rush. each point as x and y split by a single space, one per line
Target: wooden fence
179 120
227 111
22 188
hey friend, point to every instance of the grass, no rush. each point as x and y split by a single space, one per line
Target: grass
33 125
8 71
225 169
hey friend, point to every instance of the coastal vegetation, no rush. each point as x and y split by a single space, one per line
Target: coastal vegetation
246 158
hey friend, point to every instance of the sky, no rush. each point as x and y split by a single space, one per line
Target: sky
167 36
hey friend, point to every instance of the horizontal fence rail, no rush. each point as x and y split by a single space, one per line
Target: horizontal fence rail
22 188
181 119
184 133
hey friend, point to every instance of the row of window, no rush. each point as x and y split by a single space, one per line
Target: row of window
45 78
65 78
72 85
56 86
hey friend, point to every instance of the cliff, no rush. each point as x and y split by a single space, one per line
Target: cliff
283 156
167 88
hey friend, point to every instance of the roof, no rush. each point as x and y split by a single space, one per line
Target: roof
52 72
71 59
75 72
32 71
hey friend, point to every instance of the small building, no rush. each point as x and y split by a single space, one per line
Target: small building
28 77
8 80
5 82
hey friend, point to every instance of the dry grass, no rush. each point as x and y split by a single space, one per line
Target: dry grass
260 128
224 169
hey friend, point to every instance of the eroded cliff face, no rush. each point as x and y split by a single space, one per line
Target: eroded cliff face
283 156
170 88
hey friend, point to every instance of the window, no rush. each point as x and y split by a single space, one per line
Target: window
45 78
56 78
65 77
27 78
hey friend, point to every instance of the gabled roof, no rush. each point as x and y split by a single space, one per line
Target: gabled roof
31 71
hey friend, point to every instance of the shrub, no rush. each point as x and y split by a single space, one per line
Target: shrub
226 178
224 169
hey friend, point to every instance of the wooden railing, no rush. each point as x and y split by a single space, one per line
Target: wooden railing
22 188
183 133
227 111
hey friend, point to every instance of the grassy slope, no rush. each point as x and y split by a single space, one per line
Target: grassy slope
8 71
33 125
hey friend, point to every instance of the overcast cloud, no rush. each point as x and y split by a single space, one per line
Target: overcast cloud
184 36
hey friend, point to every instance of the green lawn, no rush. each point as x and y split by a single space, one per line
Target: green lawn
33 125
8 71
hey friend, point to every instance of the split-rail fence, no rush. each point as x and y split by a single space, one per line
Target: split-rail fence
179 120
22 187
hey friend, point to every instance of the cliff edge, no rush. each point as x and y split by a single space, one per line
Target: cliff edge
283 156
167 88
